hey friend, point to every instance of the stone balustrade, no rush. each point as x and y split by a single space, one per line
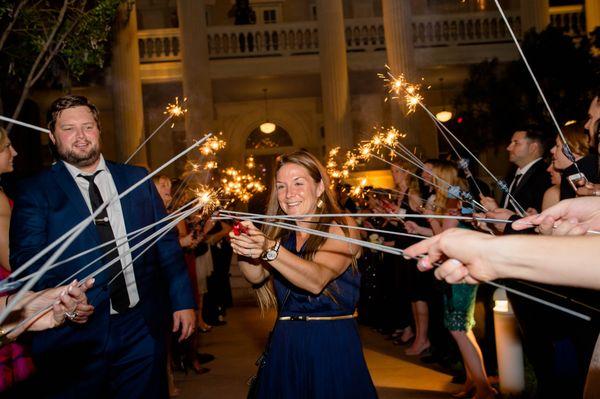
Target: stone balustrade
569 18
362 35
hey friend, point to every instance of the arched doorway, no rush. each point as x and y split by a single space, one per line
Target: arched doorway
265 148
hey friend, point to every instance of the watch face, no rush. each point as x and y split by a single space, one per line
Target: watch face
271 255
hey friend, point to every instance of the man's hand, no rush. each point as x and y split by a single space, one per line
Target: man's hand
488 203
460 263
185 318
573 216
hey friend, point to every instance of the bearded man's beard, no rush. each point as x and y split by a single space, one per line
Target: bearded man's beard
79 159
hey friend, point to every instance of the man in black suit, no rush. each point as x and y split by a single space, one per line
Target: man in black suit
530 180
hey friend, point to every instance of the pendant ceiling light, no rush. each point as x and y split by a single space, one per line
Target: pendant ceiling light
267 127
443 115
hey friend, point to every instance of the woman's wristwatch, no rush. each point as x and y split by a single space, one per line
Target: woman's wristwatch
271 254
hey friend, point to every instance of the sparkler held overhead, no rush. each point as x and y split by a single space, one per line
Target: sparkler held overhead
399 85
172 111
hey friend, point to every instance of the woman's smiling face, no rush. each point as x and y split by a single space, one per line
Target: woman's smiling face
297 192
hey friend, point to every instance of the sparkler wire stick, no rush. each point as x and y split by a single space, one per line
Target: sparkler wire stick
449 189
16 122
398 251
462 162
162 232
381 215
537 85
409 153
512 199
164 220
74 232
8 286
148 138
468 198
179 192
345 226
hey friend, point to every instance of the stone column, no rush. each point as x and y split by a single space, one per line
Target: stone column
127 86
535 14
397 25
334 74
195 68
592 15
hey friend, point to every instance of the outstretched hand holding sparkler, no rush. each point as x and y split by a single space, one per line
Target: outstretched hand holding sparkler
487 258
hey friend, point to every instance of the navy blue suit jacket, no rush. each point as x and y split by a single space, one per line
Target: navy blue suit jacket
49 204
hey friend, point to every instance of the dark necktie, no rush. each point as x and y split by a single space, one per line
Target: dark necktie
118 288
517 180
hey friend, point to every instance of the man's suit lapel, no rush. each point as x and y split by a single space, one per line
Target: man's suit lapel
69 186
65 181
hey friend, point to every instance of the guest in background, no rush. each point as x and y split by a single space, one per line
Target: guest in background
552 194
459 301
581 161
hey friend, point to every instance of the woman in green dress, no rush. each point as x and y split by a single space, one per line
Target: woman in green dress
459 304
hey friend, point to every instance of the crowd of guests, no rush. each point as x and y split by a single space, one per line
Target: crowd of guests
148 318
412 308
207 255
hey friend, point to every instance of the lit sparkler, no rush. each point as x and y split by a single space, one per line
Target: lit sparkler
211 165
239 185
173 111
212 145
400 87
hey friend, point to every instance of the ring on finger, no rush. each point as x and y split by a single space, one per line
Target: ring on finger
71 315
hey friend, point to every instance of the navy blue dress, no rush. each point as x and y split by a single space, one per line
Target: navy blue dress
316 359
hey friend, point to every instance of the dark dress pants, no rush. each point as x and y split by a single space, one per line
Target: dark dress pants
131 365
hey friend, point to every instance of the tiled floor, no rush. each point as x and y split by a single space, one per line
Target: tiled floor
237 344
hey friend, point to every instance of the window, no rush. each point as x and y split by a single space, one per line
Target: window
269 16
267 13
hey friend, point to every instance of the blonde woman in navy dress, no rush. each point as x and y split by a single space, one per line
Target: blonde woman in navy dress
314 351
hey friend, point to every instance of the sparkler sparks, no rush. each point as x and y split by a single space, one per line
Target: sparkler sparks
239 185
212 145
358 191
211 165
250 162
332 166
207 198
175 110
400 87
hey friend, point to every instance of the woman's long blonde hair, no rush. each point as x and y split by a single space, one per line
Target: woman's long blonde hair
327 204
445 172
413 184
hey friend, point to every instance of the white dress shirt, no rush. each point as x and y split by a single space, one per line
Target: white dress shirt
108 190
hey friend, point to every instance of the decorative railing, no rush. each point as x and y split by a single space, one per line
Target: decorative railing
263 40
159 45
462 29
570 18
365 34
362 35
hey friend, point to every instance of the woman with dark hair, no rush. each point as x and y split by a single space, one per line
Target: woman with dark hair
578 152
314 350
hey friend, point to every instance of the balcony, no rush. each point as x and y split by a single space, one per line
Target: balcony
237 51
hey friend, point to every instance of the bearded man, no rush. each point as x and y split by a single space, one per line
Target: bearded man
120 352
